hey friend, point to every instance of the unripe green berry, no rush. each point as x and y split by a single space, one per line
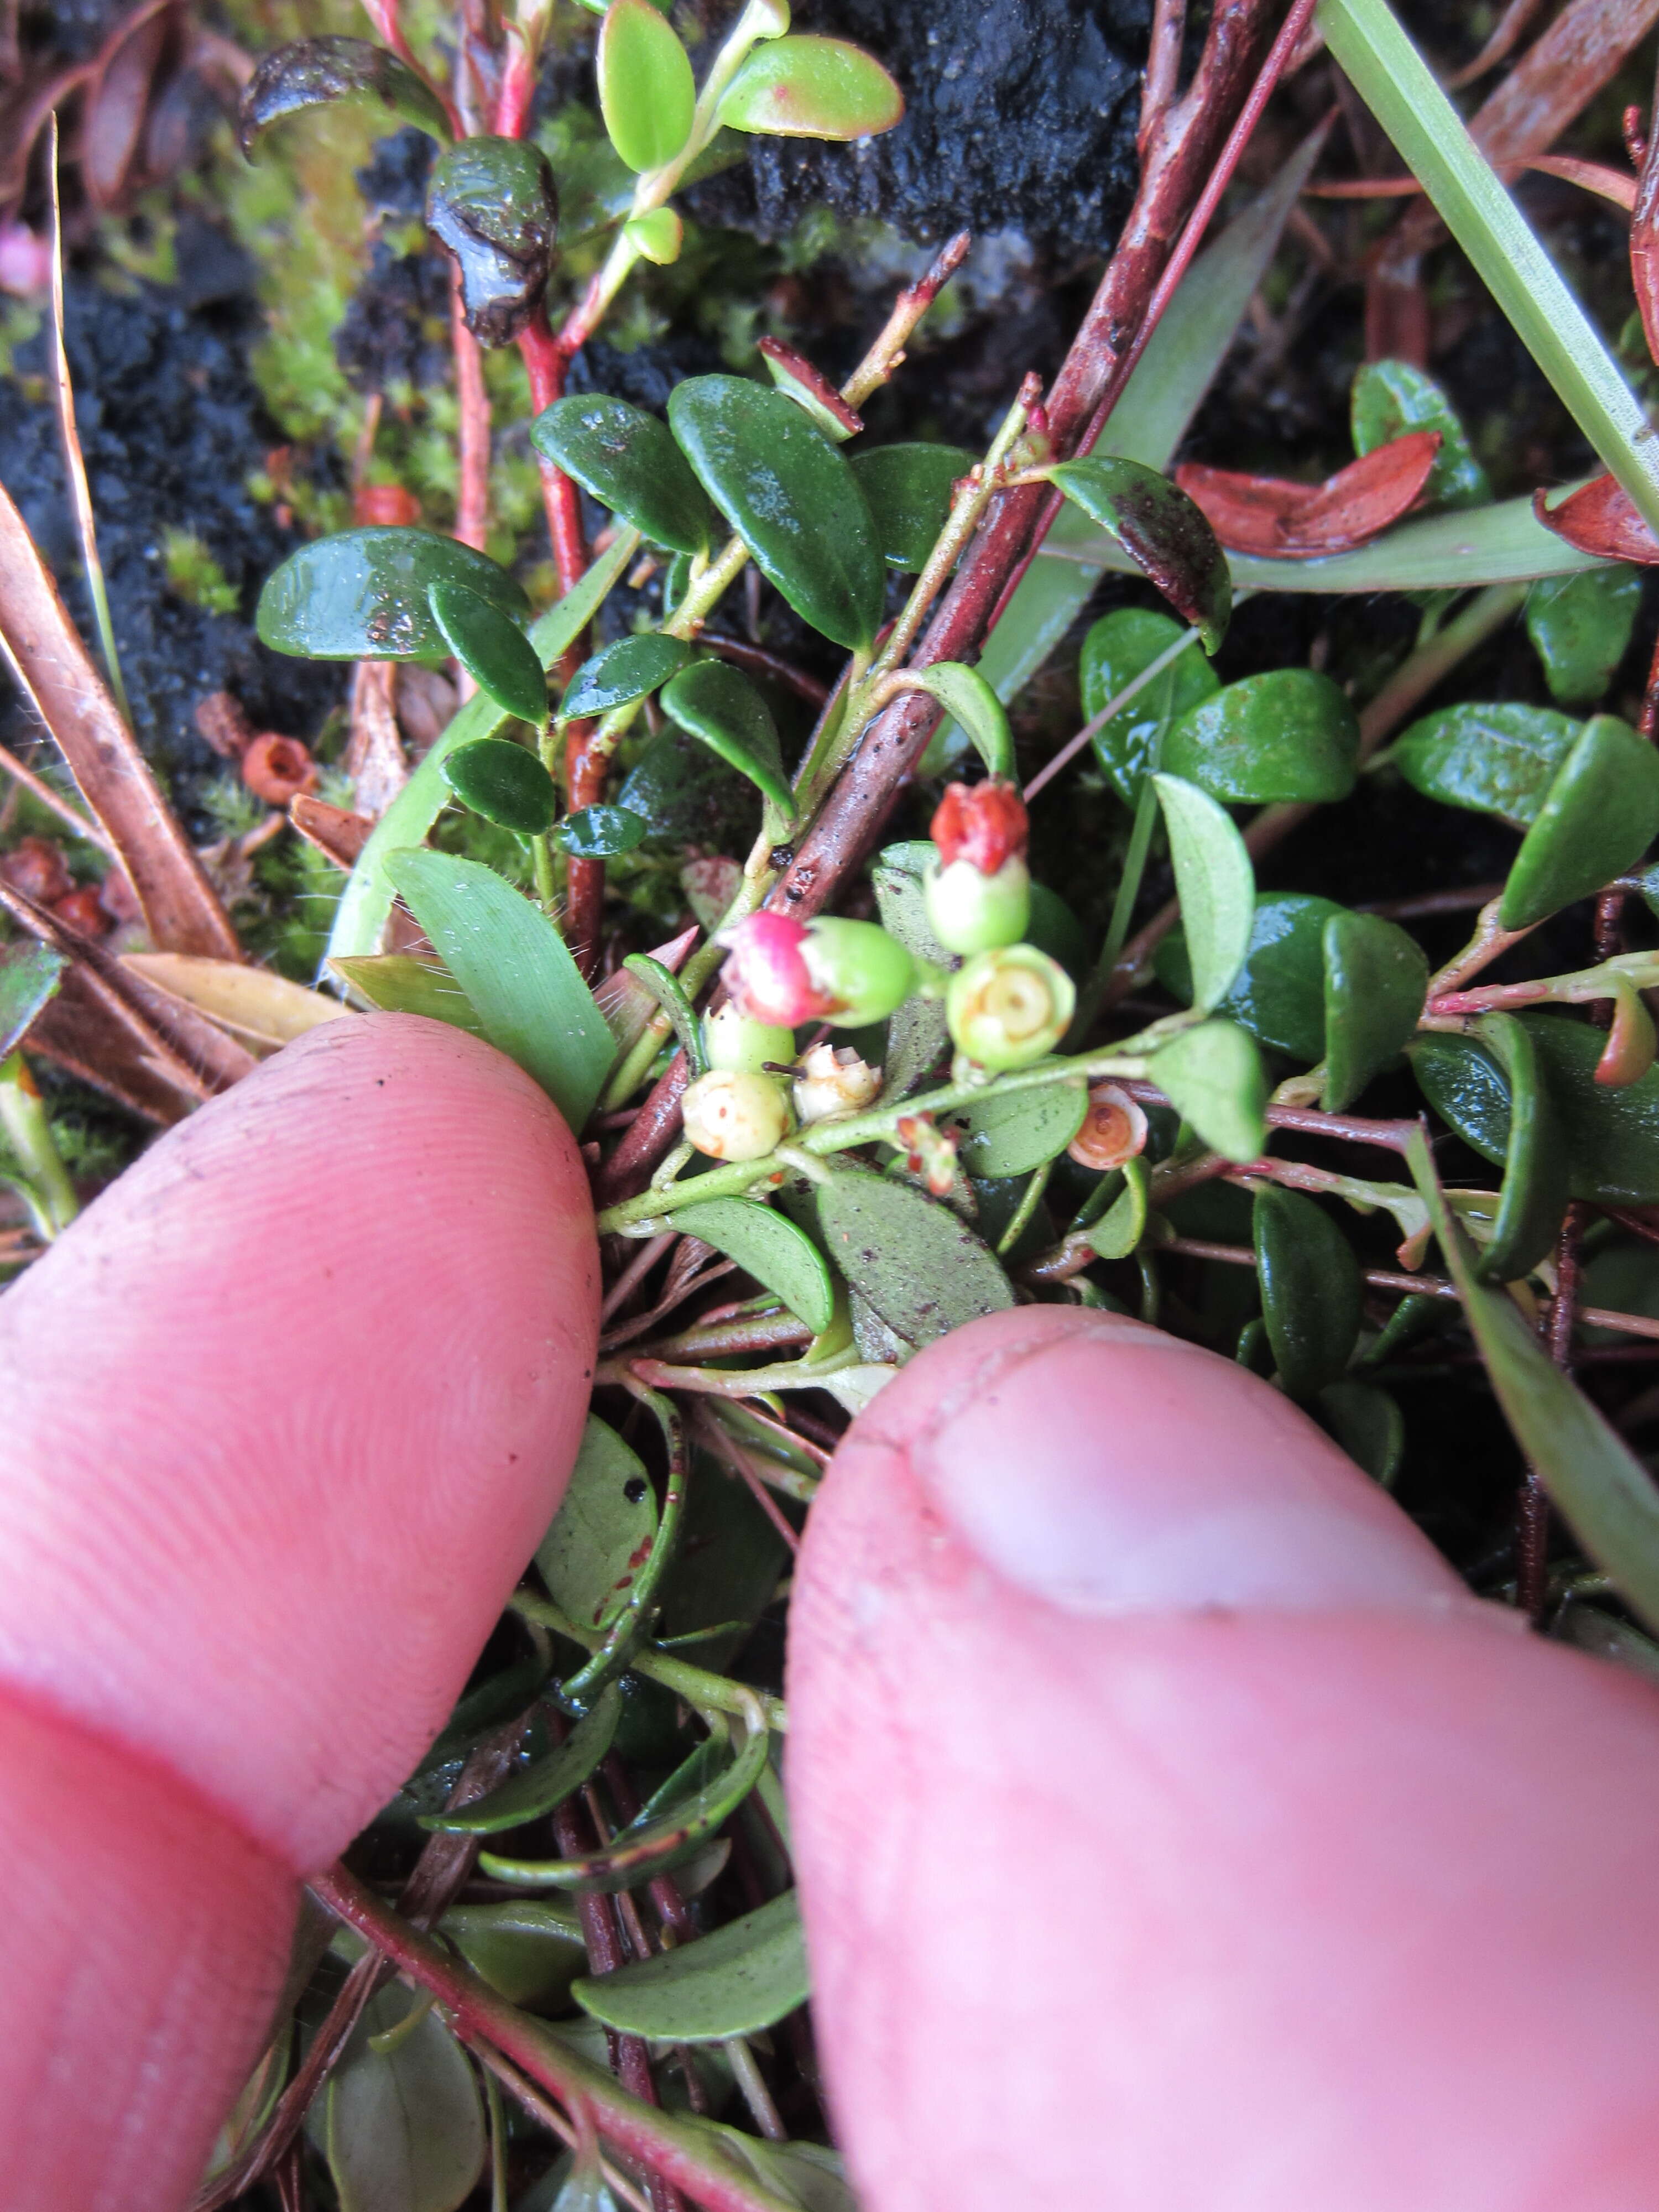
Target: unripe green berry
975 913
730 1114
733 1041
1008 1007
863 972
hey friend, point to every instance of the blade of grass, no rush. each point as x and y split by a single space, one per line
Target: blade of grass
1396 84
366 899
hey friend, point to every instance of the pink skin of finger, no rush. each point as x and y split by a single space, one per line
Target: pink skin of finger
1173 1829
286 1414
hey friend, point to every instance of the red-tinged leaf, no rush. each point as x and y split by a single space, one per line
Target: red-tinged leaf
1645 244
1274 518
1601 518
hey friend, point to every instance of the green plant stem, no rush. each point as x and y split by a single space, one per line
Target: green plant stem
541 859
1029 1199
1396 84
48 1193
707 1693
670 996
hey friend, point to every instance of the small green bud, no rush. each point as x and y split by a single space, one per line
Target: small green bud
730 1114
1008 1007
975 912
863 972
741 1046
658 236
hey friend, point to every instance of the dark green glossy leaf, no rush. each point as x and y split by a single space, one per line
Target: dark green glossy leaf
601 1532
622 673
627 458
1212 1075
505 784
729 1560
319 72
492 206
1123 1225
1367 1425
528 1949
743 1978
654 1843
1534 1199
1290 734
1612 1135
646 94
365 595
769 1247
922 1270
791 496
681 790
1215 883
1163 532
809 87
722 707
536 1791
29 976
1599 815
402 2128
1580 628
1391 397
503 1696
909 488
495 652
1312 1290
1117 648
1495 759
1055 929
1016 1130
507 956
402 983
1279 993
599 832
964 692
1375 981
1606 1493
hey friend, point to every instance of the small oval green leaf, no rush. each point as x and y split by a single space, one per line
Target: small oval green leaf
1580 628
627 458
1215 883
603 1531
402 983
964 692
1533 1198
1599 815
538 1789
910 489
1393 397
1163 531
791 496
319 72
492 205
495 652
646 93
1116 650
1212 1075
1287 735
599 833
1015 1130
365 595
1367 1425
715 704
769 1246
29 976
1279 993
504 783
810 87
743 1978
1312 1290
1375 980
1495 759
625 672
923 1270
528 1949
515 967
402 2128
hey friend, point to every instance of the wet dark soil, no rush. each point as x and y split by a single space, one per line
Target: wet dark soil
173 428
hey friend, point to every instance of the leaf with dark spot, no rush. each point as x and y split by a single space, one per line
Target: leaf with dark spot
318 72
493 206
1163 532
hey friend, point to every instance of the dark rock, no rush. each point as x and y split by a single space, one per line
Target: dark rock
393 178
397 326
1021 114
171 426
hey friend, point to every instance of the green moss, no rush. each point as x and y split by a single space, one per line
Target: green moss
193 574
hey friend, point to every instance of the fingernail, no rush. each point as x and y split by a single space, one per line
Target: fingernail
1117 1470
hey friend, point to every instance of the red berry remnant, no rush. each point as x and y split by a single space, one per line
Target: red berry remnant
277 770
767 977
386 504
984 823
1114 1129
35 866
83 911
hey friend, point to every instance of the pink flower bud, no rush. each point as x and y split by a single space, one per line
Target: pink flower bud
766 974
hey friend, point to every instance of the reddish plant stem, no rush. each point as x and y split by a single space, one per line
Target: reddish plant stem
760 662
473 491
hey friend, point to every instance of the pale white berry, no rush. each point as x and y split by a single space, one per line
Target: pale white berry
730 1114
